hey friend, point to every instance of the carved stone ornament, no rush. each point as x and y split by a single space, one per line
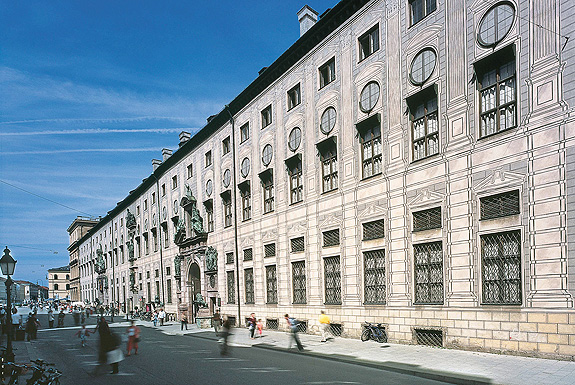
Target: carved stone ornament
100 264
189 203
200 301
180 232
211 259
130 220
178 265
133 288
131 256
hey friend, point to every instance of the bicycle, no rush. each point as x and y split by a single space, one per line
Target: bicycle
374 332
43 375
12 372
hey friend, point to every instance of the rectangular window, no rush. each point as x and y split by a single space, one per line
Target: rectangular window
374 277
168 270
424 123
248 254
226 145
153 197
149 285
174 182
227 211
420 9
158 289
427 219
267 116
137 210
373 230
155 239
190 169
229 258
209 216
299 282
145 204
231 282
156 273
428 266
146 244
501 268
249 285
370 140
296 180
297 245
166 235
270 250
208 159
272 284
268 189
332 281
169 290
331 238
327 73
500 205
294 97
368 42
246 203
244 132
328 157
163 189
496 81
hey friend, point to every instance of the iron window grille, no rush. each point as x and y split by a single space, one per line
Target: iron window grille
369 42
244 132
327 73
424 123
272 284
375 288
496 82
419 9
373 230
500 205
267 116
294 96
427 219
296 181
272 323
268 188
226 145
249 285
332 280
299 282
428 265
270 250
229 258
302 327
336 329
248 254
231 281
297 245
246 204
501 268
328 159
168 290
227 212
370 140
331 238
429 337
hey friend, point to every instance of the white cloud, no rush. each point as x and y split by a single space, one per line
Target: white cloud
92 131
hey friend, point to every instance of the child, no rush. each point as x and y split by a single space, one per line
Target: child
83 334
260 327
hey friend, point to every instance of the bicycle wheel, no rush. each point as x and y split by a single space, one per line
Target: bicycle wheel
366 335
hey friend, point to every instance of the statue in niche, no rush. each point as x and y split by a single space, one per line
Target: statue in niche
178 265
180 234
100 264
199 301
197 223
133 281
130 245
130 220
211 259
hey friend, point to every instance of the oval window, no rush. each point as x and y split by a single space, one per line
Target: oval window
227 178
245 168
496 24
327 120
267 154
209 187
422 66
175 207
369 96
294 139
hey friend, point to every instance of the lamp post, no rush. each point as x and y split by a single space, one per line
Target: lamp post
8 264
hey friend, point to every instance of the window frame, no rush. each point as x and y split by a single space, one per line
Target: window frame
327 73
249 285
266 115
427 12
374 285
271 284
244 132
362 131
426 269
369 36
332 280
228 212
328 157
425 97
299 283
294 91
226 146
267 182
295 174
246 196
208 158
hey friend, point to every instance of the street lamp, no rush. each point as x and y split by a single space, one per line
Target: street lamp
8 264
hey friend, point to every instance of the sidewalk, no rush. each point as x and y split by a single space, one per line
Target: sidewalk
448 365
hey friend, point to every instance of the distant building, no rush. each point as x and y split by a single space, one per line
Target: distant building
42 293
76 231
26 291
59 282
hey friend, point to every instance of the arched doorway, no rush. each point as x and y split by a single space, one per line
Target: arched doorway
194 283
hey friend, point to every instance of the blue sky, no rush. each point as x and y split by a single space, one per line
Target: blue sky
92 91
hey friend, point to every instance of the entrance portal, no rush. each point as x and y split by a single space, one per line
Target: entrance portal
195 288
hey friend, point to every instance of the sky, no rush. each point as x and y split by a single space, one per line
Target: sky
91 91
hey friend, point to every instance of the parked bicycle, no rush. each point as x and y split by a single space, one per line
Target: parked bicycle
44 374
11 372
374 332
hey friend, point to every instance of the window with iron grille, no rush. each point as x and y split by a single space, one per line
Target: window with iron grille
296 181
268 188
227 212
427 219
375 288
373 230
501 268
496 82
244 132
248 254
299 282
249 285
229 257
246 203
369 42
424 123
331 238
272 323
428 265
169 290
231 281
429 337
327 73
270 250
332 280
370 140
272 284
500 205
328 156
302 326
297 245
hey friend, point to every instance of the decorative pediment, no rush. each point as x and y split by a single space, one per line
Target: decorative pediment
372 210
499 180
331 220
426 198
247 241
297 229
424 38
269 235
369 73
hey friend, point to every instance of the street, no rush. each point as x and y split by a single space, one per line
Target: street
176 359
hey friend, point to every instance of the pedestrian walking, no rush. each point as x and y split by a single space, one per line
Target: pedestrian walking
252 325
51 318
155 318
61 316
161 316
184 322
31 327
83 334
224 336
108 348
216 321
16 322
324 323
133 333
260 326
292 325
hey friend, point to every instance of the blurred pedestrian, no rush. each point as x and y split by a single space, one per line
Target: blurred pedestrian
324 323
155 318
216 321
292 325
51 318
108 351
252 325
61 316
133 333
161 316
260 326
224 336
184 322
83 334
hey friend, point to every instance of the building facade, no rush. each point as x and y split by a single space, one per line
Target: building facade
407 163
59 283
76 231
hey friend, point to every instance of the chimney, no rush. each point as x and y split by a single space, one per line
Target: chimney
166 153
307 18
156 163
184 137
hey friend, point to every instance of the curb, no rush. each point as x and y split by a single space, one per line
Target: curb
413 370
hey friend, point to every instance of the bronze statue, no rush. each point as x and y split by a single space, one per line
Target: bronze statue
178 265
130 220
100 264
130 245
211 259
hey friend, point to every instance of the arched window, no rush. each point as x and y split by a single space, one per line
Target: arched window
67 286
55 276
67 276
55 286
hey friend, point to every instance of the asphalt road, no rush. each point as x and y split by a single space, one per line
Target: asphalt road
165 359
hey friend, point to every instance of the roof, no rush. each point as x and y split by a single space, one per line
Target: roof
63 268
